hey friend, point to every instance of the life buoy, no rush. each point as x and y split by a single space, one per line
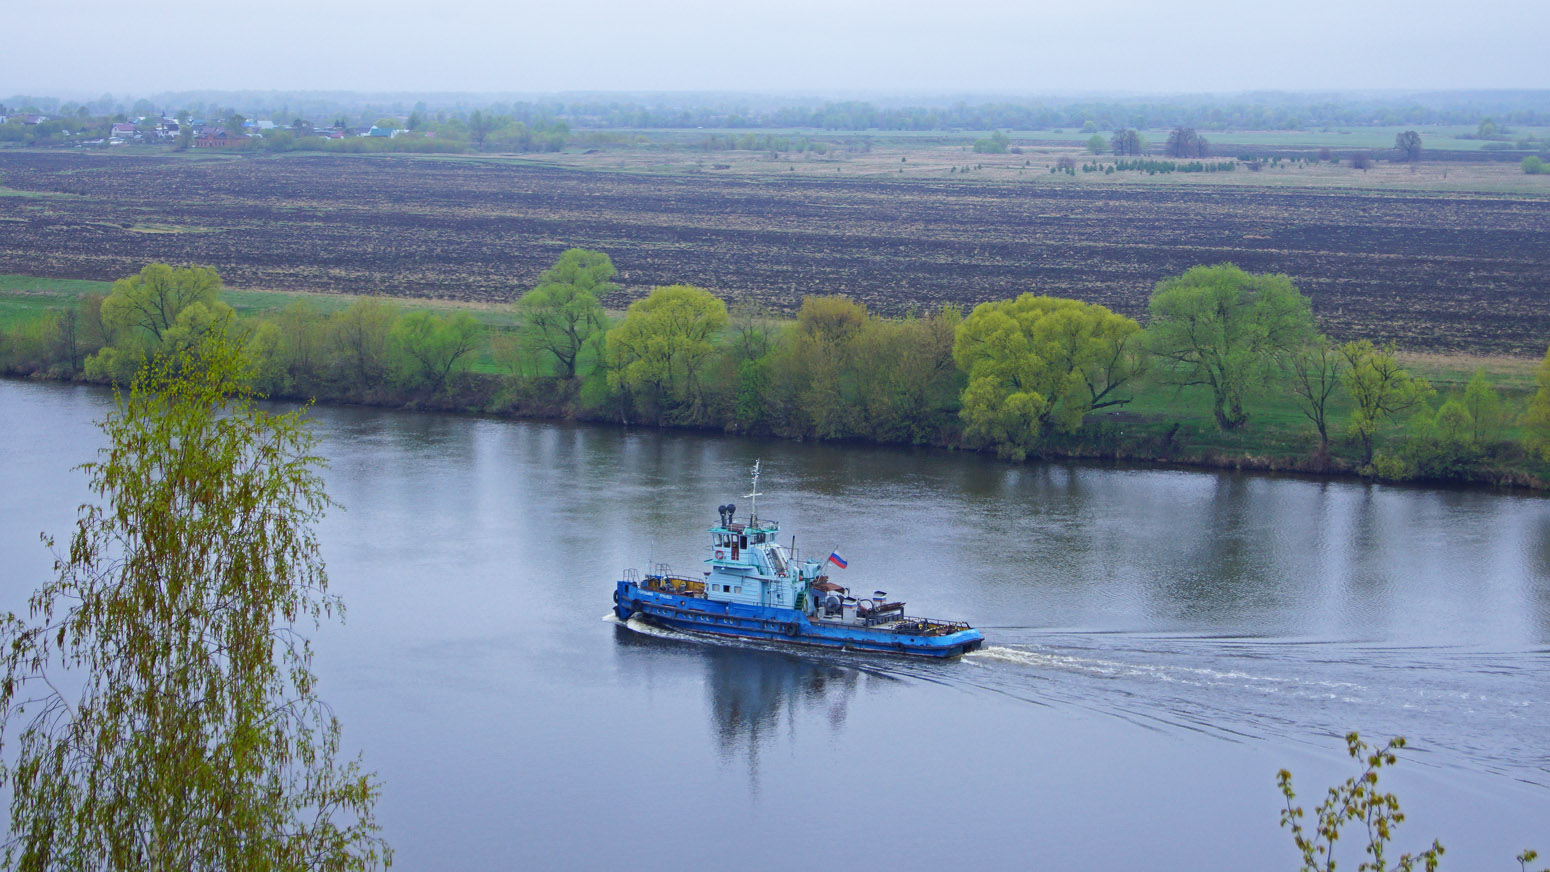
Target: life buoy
720 555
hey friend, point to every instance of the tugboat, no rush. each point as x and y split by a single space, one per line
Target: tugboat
754 589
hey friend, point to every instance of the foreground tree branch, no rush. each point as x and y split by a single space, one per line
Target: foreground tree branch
195 739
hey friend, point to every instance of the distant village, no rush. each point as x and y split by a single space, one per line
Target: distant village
189 132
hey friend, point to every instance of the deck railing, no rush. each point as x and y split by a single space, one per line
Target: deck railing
930 627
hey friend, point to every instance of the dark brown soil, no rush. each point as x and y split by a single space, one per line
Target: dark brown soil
1443 272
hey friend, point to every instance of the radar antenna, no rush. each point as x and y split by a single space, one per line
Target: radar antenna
753 512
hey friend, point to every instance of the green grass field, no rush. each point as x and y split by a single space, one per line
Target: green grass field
23 298
26 298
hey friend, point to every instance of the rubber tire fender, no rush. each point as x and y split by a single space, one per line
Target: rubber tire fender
616 597
790 629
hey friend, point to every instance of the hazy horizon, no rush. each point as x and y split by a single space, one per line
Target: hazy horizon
803 47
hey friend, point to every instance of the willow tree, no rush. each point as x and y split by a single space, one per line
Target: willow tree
564 310
817 372
160 311
1380 389
659 352
1040 364
358 340
160 702
1226 330
432 347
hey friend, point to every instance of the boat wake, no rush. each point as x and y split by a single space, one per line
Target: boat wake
646 628
1471 709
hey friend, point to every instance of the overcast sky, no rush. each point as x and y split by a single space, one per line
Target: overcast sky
84 48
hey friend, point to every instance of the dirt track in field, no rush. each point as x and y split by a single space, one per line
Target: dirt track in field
1436 272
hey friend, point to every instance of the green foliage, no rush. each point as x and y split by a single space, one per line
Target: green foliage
289 351
1390 467
821 378
1533 165
1096 144
836 372
996 143
1537 419
659 352
1040 364
910 399
816 371
1226 329
357 338
153 300
1454 424
1380 388
1484 405
160 311
1438 445
430 348
197 740
1356 801
753 385
1153 167
563 311
1408 145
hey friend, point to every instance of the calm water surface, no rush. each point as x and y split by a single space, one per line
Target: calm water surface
1160 644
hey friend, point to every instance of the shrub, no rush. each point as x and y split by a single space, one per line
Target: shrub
996 143
1357 802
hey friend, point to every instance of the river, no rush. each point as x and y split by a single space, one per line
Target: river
1160 643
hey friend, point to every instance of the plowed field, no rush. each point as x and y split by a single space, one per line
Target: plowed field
1438 272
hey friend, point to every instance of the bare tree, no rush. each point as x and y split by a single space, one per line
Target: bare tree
1185 142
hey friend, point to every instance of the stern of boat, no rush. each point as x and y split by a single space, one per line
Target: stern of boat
625 600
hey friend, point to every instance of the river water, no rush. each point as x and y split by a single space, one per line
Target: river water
1160 643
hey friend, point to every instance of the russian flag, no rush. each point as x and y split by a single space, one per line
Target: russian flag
837 560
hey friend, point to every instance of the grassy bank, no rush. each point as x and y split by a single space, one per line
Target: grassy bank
1160 424
28 298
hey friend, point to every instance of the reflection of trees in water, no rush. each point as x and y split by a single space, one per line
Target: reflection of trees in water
753 691
1539 559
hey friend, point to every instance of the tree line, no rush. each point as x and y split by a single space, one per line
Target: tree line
1287 111
1032 376
1259 111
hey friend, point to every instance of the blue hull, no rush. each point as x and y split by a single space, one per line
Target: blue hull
781 625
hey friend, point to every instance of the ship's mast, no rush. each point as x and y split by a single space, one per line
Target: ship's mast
753 511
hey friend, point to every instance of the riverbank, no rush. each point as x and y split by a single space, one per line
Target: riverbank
869 380
1123 439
